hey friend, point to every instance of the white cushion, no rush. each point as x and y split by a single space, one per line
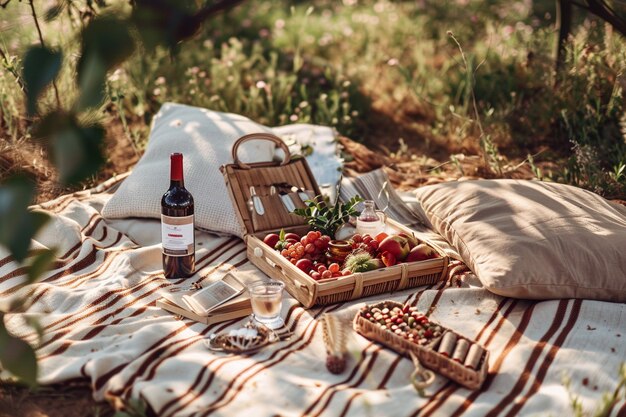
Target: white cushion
531 239
205 138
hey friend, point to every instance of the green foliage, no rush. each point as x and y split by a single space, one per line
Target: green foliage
106 42
17 224
320 216
76 150
17 356
41 66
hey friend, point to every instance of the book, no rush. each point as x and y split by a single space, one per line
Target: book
177 302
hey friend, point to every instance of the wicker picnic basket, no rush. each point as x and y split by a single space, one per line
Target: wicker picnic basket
428 354
245 180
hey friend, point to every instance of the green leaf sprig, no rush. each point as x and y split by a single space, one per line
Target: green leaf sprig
327 219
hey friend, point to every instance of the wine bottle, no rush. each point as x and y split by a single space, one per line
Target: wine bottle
177 225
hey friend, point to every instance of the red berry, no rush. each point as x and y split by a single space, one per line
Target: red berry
318 234
312 236
316 275
320 244
327 274
346 272
357 238
321 268
310 248
334 267
367 239
373 244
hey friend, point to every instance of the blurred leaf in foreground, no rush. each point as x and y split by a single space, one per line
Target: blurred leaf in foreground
17 356
106 42
40 264
76 150
18 225
41 66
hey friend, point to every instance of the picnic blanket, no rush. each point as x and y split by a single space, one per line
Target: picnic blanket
100 323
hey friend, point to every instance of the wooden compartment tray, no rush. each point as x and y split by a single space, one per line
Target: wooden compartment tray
427 354
240 177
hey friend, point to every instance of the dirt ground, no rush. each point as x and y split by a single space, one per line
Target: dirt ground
51 401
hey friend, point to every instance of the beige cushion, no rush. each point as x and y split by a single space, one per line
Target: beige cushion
531 239
205 138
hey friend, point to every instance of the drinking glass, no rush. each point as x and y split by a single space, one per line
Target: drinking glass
266 298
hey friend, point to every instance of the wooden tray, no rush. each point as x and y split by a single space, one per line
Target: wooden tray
428 354
240 177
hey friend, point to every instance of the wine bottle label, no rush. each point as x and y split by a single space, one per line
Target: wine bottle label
177 235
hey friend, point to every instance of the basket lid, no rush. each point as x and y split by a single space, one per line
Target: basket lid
244 179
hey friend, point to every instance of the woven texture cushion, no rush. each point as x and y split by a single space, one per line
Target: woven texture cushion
531 239
205 138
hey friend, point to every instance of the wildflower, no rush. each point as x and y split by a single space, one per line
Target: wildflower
192 91
156 91
202 74
392 62
345 84
279 24
264 33
260 84
194 70
293 117
159 81
207 44
303 104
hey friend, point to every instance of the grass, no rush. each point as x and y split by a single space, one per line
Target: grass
388 74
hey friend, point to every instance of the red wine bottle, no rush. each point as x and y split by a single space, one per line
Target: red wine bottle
177 225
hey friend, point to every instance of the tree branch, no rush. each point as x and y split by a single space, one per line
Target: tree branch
54 84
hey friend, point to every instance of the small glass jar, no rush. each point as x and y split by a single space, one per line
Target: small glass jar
371 221
338 251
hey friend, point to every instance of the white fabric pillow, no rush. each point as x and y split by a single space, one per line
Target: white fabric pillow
531 239
205 138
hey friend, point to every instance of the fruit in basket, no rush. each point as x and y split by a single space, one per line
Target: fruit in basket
364 243
388 258
362 262
381 236
421 252
292 236
304 264
411 240
271 240
396 245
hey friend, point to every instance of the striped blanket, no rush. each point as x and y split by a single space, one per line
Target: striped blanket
100 323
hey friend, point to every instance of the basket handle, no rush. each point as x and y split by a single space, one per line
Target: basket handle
256 136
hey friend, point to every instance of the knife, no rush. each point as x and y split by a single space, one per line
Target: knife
301 193
287 201
256 202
